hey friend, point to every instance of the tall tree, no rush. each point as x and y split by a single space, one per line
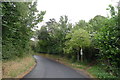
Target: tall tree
57 32
77 40
18 18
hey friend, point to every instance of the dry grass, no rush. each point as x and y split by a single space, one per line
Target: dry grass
15 68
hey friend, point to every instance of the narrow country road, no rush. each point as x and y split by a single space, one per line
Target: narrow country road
47 68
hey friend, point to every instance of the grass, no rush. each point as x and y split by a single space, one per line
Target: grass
16 68
99 72
94 71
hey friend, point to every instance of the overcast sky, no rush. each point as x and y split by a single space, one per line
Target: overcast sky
74 9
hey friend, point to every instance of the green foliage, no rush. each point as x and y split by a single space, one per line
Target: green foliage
52 36
97 22
99 38
18 18
108 40
78 39
101 73
81 24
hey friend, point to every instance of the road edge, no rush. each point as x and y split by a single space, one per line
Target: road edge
70 66
22 75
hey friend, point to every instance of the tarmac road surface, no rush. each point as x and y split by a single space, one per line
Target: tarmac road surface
47 68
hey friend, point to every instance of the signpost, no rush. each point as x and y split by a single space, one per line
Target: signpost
81 52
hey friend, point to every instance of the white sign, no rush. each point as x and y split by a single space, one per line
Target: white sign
81 52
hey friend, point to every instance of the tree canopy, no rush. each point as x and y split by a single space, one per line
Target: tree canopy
98 39
18 19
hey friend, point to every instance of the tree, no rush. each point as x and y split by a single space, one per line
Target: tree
18 19
77 40
108 41
81 24
55 33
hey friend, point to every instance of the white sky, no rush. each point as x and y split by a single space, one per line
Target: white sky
74 9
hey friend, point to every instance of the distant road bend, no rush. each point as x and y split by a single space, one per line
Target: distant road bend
47 68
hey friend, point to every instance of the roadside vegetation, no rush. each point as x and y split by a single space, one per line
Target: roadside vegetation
18 21
96 42
93 45
17 68
94 71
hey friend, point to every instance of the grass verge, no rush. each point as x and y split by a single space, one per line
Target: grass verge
94 71
17 68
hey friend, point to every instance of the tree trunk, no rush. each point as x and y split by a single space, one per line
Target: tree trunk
81 58
78 56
